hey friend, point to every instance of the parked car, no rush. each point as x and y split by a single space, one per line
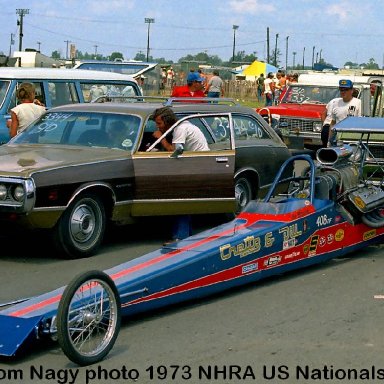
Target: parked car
56 87
64 173
302 106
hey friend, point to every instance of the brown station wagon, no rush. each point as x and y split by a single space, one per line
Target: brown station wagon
67 173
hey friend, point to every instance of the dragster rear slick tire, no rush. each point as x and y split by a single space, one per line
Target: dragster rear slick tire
89 317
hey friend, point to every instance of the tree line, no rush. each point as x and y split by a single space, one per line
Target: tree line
204 58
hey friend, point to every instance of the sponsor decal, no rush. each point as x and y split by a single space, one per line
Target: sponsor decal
313 242
322 241
369 234
339 235
273 260
289 244
359 202
330 238
292 255
249 268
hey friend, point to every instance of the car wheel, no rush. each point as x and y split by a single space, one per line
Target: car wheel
89 317
243 193
81 228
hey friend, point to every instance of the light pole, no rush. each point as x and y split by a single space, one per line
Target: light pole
275 60
313 55
303 56
294 58
95 52
66 54
39 45
286 53
235 28
320 55
11 43
148 21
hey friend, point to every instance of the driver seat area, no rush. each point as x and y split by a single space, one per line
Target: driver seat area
94 137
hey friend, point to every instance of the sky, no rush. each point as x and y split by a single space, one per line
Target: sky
336 31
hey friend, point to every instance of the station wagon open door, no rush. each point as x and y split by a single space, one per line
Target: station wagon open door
193 181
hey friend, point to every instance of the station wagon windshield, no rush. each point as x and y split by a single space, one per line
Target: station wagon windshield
83 129
301 93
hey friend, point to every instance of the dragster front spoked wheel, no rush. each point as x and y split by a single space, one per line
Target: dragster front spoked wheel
88 317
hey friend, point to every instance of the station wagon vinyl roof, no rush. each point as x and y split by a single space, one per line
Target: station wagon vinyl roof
12 73
361 125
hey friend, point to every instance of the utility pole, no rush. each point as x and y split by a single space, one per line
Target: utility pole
268 45
286 53
21 12
303 57
11 43
294 58
148 21
39 45
275 61
313 55
235 28
66 54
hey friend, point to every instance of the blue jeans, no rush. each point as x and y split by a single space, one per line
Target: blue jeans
213 94
268 99
182 227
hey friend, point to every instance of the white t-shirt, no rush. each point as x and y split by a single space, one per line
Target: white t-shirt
342 109
190 136
267 85
328 117
26 113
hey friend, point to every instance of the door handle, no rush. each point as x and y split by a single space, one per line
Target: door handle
222 159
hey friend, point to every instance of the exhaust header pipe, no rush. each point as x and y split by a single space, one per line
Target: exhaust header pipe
333 155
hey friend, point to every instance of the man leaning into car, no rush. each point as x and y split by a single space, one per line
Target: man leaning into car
187 134
192 139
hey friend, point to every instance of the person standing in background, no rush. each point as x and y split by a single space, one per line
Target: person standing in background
342 107
140 82
269 89
260 87
193 88
200 71
215 86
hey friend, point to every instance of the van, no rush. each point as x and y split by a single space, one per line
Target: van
56 87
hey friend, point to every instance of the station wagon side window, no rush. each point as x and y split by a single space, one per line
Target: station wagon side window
247 127
39 93
62 93
92 90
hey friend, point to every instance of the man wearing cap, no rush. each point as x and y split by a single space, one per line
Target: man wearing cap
140 82
342 107
193 88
